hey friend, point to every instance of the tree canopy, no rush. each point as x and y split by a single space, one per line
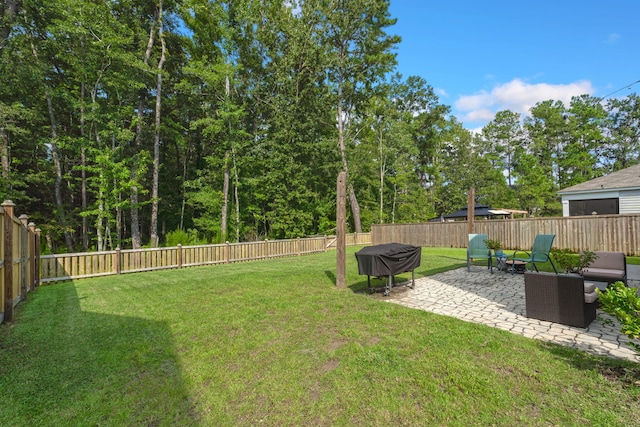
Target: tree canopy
134 122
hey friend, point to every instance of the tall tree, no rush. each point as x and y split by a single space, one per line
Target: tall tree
358 54
138 154
534 186
395 117
585 124
41 31
212 76
156 140
503 135
547 136
429 127
547 133
623 123
463 167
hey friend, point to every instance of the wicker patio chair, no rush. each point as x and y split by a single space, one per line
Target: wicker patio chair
558 298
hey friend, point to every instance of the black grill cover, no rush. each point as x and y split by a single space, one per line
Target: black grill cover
388 259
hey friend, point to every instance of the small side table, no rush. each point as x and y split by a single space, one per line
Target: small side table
517 266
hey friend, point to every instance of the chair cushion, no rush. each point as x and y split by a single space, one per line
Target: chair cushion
590 297
589 287
603 273
613 260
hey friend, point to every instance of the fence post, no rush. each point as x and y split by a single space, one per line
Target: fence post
179 255
298 246
471 210
24 233
118 261
36 264
33 256
226 252
8 206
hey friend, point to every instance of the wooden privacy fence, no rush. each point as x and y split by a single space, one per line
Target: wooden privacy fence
62 267
616 233
19 250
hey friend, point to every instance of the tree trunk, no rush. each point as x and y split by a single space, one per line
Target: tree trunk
156 142
9 12
393 208
185 162
58 168
383 171
99 222
225 199
101 216
136 240
119 227
355 209
83 168
4 155
56 162
353 201
235 192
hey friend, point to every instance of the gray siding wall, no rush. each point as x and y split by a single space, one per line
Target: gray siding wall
630 202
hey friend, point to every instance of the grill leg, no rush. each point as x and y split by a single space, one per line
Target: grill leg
387 290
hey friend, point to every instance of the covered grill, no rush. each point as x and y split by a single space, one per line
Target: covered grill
388 260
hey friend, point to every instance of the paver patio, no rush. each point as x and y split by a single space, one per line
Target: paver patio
498 300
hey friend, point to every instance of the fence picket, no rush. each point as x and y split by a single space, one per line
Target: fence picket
60 267
615 233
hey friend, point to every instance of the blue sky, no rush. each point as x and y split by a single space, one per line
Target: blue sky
483 56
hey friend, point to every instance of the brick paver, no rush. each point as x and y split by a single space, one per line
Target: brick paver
497 300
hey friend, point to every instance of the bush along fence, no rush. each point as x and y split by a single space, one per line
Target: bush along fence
19 259
61 267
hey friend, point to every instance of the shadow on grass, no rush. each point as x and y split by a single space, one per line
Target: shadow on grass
626 373
401 280
360 287
331 275
72 367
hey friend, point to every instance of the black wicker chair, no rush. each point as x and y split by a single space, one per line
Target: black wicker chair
558 298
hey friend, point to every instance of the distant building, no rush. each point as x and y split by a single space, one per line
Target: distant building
483 211
616 193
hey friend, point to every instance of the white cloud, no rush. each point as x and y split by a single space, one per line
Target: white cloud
517 96
480 115
441 92
612 38
474 102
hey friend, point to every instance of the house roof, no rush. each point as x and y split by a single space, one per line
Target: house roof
479 210
622 179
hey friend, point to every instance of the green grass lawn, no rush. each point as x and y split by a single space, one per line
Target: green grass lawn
276 343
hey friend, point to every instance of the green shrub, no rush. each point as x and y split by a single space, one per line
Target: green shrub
623 303
572 262
184 238
493 244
